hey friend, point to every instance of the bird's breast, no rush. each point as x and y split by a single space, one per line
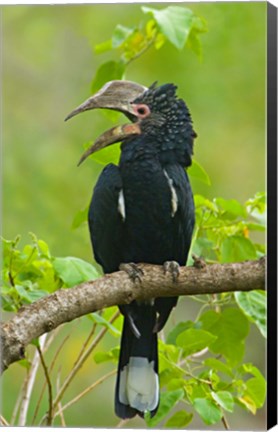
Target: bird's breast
148 203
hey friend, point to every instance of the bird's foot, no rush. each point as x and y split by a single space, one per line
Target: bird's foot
133 271
173 268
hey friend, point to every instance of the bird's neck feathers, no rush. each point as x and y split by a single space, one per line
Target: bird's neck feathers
167 148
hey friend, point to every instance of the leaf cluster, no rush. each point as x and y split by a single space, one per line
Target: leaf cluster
202 370
176 25
31 273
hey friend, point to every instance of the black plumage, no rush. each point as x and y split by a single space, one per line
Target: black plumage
142 211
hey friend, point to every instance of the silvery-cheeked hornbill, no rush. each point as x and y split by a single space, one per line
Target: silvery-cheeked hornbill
142 211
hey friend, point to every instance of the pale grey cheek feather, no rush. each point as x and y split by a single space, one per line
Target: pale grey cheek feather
174 198
139 385
121 204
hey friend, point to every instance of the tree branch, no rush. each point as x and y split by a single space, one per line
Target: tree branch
65 305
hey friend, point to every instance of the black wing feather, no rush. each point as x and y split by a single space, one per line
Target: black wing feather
105 221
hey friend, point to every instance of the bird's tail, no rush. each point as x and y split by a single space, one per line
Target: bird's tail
137 388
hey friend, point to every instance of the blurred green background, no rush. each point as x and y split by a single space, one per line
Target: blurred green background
48 66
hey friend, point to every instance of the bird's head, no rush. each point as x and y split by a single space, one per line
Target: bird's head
155 112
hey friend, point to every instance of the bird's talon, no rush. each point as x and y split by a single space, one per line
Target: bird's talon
173 268
134 272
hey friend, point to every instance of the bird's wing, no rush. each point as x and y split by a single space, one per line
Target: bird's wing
185 216
106 219
183 225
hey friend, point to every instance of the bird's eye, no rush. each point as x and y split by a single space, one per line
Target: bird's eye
141 110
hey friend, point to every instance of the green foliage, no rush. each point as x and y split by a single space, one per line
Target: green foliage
31 273
194 340
167 401
209 412
73 271
202 365
225 228
253 305
202 369
201 362
231 328
177 25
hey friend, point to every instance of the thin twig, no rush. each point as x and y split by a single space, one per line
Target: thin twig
91 334
3 421
121 423
50 369
225 422
63 422
49 386
30 384
142 51
80 362
84 392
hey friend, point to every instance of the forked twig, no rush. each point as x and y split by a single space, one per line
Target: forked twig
49 386
80 363
30 384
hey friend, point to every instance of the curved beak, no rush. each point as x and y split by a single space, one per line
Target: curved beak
112 136
115 95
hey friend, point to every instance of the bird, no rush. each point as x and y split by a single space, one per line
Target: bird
142 211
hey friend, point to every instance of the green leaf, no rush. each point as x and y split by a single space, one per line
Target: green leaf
167 401
256 390
99 319
194 340
103 47
256 207
175 384
231 328
174 22
168 370
203 247
208 410
8 304
218 366
105 356
30 296
120 35
111 70
255 387
80 217
255 226
179 328
107 155
199 25
24 363
74 271
237 248
44 249
179 420
197 171
248 403
224 399
201 201
35 342
231 207
253 305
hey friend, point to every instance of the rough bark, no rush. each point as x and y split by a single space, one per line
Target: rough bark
65 305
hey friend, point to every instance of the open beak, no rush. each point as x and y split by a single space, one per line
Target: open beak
115 95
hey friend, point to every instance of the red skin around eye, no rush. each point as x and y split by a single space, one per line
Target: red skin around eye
141 110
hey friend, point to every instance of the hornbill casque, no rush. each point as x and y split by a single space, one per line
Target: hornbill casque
142 211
